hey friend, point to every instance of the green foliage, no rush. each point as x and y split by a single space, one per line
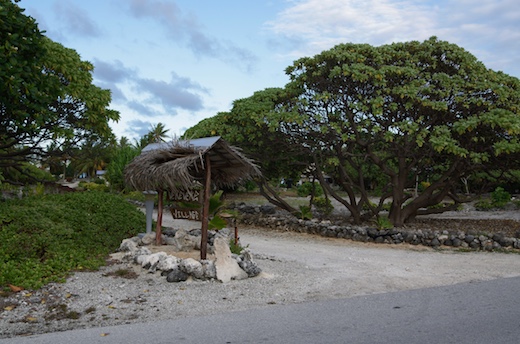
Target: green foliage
43 239
386 206
251 125
92 186
406 109
484 204
250 185
368 205
308 188
27 173
216 223
39 189
121 157
135 196
305 212
323 205
46 93
236 248
99 181
500 196
383 222
423 186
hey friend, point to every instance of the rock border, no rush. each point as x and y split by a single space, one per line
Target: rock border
225 267
271 217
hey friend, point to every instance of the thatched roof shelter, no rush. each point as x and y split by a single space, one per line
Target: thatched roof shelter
177 165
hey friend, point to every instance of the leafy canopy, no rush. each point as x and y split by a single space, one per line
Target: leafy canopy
415 109
46 93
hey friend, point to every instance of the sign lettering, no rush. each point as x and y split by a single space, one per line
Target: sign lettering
186 196
185 214
186 204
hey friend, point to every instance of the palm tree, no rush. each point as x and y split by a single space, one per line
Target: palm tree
124 142
157 133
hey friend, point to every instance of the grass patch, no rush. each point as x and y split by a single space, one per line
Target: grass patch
44 238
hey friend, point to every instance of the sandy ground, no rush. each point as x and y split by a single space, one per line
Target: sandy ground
343 268
296 268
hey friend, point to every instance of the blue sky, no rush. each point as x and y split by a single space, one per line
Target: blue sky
180 61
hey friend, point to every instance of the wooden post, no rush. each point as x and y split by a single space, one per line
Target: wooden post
158 230
205 210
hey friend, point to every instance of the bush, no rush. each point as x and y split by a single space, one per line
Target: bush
500 196
305 212
306 189
92 186
99 181
43 239
484 205
136 196
383 222
323 205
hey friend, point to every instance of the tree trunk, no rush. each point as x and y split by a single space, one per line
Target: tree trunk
355 214
205 211
273 198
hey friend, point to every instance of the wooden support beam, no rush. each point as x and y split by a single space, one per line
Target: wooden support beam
205 210
158 230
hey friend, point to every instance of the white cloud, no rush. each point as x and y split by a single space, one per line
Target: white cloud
486 29
322 24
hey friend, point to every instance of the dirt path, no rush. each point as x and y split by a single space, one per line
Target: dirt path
348 268
343 268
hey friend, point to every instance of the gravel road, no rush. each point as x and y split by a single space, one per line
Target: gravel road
296 268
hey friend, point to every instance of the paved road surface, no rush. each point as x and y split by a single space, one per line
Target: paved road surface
478 312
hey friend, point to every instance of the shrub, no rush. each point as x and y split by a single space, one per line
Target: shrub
99 181
236 248
484 205
305 212
500 196
383 222
136 196
306 189
93 186
43 238
323 205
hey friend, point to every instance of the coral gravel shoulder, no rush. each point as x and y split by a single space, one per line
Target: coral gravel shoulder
296 268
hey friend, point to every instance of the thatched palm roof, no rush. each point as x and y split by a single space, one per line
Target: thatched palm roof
177 165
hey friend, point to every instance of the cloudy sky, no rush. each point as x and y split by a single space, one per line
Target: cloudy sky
180 61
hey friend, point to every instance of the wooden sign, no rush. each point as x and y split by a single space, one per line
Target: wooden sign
186 204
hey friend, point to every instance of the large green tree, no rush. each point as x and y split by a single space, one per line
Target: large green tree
46 93
415 111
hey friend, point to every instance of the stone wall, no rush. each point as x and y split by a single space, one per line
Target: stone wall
268 216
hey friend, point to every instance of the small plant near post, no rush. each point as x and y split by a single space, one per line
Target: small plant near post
383 222
305 212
